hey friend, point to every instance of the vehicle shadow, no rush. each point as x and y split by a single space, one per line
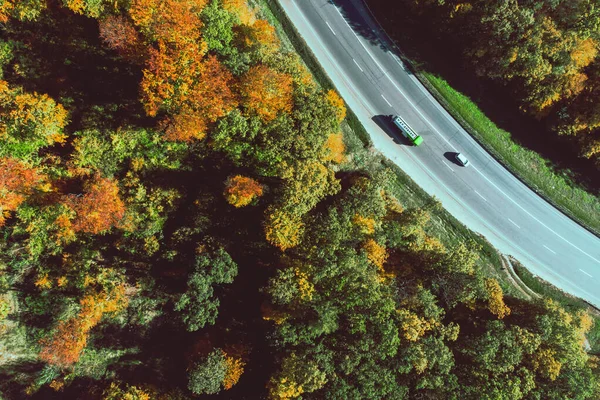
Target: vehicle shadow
451 156
386 125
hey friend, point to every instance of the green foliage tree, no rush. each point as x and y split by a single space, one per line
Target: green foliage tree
206 376
198 306
28 121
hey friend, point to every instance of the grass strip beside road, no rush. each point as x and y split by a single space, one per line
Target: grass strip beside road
527 165
313 65
571 303
443 225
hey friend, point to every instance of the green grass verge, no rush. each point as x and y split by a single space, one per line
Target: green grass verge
443 225
571 303
450 230
529 166
546 289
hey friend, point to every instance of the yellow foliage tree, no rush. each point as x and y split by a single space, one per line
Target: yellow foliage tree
336 101
270 314
413 327
119 391
32 118
545 363
240 9
283 229
365 225
334 148
584 53
496 299
376 253
235 369
297 376
305 286
261 35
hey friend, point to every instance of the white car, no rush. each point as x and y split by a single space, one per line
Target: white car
462 160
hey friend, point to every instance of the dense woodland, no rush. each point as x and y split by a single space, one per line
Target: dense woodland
179 217
545 52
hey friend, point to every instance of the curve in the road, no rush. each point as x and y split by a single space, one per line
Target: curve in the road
485 196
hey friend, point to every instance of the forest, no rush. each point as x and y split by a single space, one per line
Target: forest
543 52
183 214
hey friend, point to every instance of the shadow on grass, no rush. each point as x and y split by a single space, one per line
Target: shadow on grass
429 49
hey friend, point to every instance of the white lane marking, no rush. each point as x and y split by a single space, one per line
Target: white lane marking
513 222
330 28
549 249
400 63
479 194
585 273
493 231
364 103
361 70
435 129
394 83
446 164
386 100
536 219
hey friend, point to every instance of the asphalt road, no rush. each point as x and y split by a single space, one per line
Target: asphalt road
484 196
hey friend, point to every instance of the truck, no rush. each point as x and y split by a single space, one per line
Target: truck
407 131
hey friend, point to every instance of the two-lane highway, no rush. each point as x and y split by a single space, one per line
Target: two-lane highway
487 198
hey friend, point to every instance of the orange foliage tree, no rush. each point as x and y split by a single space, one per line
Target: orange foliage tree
266 92
184 127
376 253
64 347
99 209
211 95
241 190
196 91
176 22
168 75
17 182
120 35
